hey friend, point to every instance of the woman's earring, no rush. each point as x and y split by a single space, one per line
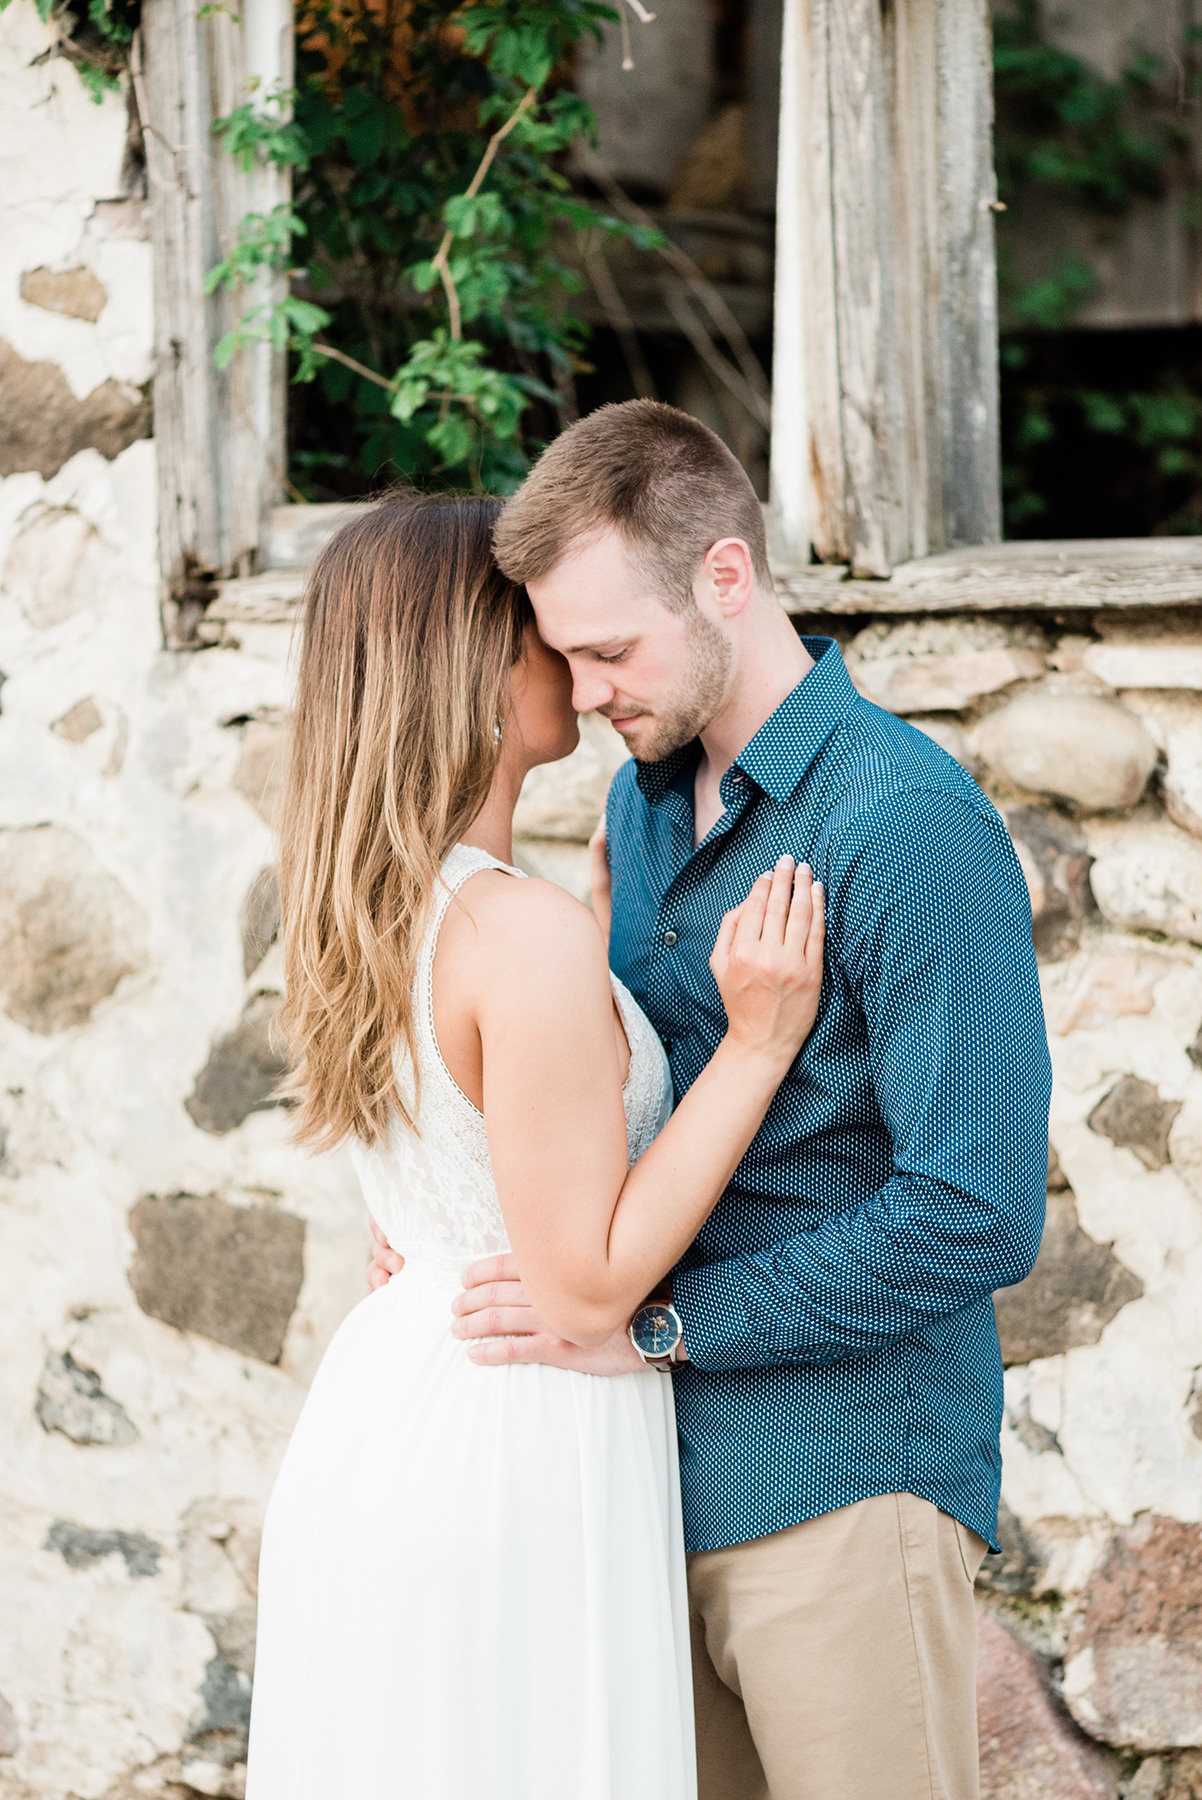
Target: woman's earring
498 730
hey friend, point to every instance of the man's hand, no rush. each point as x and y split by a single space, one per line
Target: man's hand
493 1304
385 1262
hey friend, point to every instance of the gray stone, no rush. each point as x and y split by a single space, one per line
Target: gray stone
1055 864
1133 1673
262 773
79 722
10 1737
71 1400
260 919
54 566
1174 723
1147 665
69 932
76 293
230 1273
220 1732
1147 876
243 1071
1020 1568
1133 1116
941 665
1030 1748
1075 1289
1071 747
43 424
80 1547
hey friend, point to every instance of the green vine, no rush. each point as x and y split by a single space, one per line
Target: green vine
426 145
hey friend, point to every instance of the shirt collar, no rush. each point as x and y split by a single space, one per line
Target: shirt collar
785 744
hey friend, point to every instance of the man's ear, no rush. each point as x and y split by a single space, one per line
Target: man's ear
726 579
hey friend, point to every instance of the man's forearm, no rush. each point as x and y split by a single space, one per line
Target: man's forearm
860 1281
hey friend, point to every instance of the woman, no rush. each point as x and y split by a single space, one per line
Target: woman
472 1580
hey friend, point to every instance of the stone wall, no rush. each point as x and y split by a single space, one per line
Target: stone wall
173 1268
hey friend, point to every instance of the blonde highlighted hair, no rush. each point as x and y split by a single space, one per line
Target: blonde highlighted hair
410 636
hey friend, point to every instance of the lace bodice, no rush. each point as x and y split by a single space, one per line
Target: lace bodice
433 1192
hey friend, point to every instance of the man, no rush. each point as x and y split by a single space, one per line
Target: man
838 1386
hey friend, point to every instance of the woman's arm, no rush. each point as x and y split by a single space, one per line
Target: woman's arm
592 1235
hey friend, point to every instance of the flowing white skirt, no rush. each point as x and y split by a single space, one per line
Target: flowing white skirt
472 1580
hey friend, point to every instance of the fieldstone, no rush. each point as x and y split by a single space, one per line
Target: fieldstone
1070 746
76 293
80 1547
1133 1674
260 919
244 1069
564 800
1166 1778
1146 665
1055 863
1030 1748
1147 876
1174 722
949 734
1075 1289
10 1737
1020 1568
54 566
219 1735
1133 1116
230 1273
262 773
941 665
1185 1143
1121 986
71 1400
943 683
69 932
79 722
43 425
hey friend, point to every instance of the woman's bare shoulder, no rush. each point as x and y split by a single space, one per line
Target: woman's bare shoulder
523 918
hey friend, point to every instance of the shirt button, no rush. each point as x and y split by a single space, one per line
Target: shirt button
669 938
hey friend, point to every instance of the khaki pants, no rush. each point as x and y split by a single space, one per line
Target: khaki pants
836 1660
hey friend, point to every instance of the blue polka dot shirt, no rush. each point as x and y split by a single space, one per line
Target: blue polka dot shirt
837 1304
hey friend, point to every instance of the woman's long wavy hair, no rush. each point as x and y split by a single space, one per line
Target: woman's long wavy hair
410 637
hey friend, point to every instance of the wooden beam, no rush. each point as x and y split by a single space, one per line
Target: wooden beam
1079 575
219 435
885 419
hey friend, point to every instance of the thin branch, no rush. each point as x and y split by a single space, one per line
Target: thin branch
686 268
470 192
621 324
358 368
640 12
712 357
624 35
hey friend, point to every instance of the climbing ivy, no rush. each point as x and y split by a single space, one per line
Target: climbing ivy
427 143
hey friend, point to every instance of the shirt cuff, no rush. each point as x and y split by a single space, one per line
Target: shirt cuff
717 1333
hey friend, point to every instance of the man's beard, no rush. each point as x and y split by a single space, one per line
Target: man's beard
698 698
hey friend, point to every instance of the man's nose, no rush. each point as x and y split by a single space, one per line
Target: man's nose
590 689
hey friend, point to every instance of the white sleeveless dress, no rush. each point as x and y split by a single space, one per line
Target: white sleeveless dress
472 1581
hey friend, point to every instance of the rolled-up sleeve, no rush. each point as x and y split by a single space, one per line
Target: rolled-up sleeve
930 926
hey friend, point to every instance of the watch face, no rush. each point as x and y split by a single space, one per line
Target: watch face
656 1330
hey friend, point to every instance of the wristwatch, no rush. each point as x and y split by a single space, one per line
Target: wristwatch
656 1332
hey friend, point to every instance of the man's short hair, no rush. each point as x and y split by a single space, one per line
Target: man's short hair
666 481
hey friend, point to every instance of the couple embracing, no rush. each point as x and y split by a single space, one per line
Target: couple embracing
681 1488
